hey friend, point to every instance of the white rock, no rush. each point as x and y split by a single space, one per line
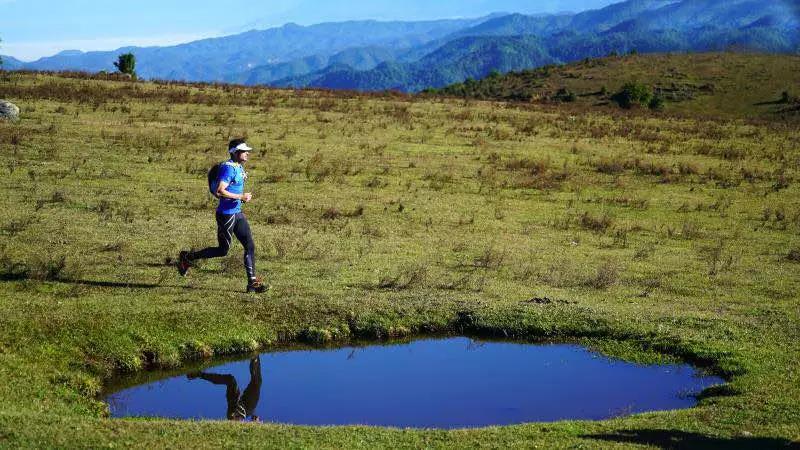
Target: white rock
8 111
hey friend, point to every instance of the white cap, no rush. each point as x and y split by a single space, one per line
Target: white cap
243 147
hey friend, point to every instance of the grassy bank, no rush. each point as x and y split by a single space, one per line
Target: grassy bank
380 217
730 85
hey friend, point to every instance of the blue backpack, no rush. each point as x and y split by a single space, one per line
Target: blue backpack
213 179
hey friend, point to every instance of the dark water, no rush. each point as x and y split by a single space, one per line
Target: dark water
436 383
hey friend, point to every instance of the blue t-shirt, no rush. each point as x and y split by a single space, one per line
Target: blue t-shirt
233 174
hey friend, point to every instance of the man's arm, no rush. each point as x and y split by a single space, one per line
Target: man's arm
222 191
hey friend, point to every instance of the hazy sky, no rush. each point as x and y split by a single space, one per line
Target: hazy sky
30 29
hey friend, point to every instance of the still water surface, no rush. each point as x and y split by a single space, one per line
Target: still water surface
431 383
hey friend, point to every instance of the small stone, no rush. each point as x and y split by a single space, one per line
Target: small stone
8 111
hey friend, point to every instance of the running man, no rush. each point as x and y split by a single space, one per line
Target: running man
230 219
240 406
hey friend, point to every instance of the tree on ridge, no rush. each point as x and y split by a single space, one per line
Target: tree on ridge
126 63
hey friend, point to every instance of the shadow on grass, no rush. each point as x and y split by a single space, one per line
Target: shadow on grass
12 277
116 284
772 102
113 284
680 440
106 284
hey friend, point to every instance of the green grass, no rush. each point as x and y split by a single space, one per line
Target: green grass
725 85
649 233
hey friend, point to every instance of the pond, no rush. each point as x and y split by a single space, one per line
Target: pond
429 383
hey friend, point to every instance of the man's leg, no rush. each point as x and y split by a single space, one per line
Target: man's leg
252 392
231 390
225 226
243 234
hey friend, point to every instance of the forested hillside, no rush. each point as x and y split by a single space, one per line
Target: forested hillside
723 84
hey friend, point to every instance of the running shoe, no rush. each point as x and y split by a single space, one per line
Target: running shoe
183 263
257 286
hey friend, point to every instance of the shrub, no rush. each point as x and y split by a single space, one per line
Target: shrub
650 285
718 259
653 168
644 252
781 182
232 264
597 224
656 103
41 268
335 213
605 276
633 94
531 166
331 214
560 273
375 182
316 169
17 226
405 278
688 168
691 230
565 95
437 180
117 246
58 197
49 269
611 166
489 259
278 219
11 269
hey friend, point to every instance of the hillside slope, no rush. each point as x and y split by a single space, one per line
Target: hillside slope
470 57
377 217
361 58
596 20
727 84
647 26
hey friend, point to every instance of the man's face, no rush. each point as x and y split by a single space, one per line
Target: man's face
242 157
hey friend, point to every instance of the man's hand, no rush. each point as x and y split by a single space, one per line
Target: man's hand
247 197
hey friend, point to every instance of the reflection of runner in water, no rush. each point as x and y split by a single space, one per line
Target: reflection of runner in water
239 407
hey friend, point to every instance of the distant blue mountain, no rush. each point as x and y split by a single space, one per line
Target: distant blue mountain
686 15
359 58
220 58
546 25
410 56
504 25
641 25
459 59
10 63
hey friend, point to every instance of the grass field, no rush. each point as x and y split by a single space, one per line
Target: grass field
381 216
717 85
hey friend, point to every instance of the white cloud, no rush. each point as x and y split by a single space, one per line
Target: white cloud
29 51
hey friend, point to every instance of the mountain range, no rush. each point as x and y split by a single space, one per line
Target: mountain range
217 59
411 56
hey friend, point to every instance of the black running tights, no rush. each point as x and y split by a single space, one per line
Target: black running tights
229 225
